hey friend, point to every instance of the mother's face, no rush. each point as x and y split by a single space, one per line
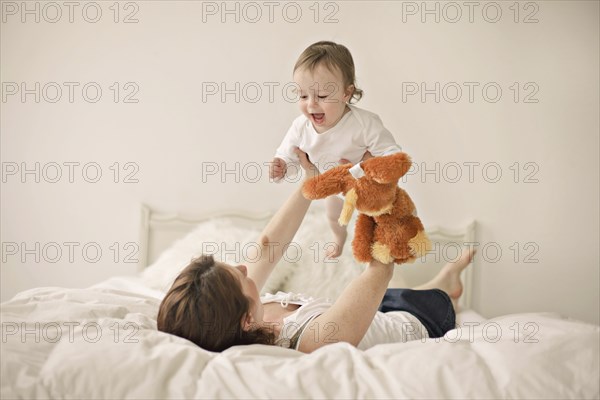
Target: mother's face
240 272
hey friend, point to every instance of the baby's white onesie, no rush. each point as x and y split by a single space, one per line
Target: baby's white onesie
358 131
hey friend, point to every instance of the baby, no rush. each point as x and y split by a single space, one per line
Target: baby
330 130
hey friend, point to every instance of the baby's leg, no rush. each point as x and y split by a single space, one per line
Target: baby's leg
334 205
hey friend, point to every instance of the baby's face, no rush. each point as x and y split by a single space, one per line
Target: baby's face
322 96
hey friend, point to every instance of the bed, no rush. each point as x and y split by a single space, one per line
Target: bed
102 342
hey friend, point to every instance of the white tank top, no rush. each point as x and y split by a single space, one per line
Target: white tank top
390 327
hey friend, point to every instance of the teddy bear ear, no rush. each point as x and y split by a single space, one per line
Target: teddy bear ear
387 169
333 181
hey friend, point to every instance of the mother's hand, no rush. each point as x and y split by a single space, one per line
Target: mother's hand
308 167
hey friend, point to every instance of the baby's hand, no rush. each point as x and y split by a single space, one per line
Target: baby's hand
277 169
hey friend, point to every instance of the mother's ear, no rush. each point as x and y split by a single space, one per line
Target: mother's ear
387 169
248 322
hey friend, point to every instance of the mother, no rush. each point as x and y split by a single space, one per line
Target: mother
217 306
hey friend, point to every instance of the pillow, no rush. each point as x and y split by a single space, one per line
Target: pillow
227 241
302 269
313 274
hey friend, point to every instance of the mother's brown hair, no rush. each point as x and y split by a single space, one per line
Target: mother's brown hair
206 305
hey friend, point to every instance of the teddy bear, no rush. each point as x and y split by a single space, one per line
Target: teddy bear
387 228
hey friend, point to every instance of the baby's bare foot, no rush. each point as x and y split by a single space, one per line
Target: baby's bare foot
334 249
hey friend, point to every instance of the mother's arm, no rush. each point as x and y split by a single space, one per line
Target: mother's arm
350 316
280 230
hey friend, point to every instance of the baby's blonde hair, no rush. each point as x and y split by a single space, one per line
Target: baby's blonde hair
334 57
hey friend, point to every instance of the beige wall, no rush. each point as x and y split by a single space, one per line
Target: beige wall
548 212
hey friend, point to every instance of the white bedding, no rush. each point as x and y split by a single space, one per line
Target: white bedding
137 361
109 347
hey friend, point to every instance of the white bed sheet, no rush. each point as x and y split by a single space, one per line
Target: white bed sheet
562 364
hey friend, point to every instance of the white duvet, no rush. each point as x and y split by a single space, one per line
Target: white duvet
102 343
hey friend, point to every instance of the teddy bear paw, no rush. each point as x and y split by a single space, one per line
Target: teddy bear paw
420 244
382 253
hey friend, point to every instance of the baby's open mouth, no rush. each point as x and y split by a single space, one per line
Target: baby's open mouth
318 118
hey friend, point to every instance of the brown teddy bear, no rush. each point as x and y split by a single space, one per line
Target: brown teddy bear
387 228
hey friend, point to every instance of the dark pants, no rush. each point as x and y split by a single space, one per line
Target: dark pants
432 307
